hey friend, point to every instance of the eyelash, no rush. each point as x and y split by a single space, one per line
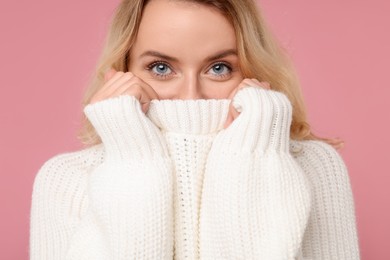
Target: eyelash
158 62
153 64
229 68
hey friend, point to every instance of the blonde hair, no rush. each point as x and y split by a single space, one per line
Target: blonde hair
259 53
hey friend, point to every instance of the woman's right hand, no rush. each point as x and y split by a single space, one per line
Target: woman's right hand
118 114
125 83
136 167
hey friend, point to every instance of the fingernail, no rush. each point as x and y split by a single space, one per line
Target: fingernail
266 84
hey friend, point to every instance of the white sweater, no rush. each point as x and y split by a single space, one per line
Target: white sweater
173 184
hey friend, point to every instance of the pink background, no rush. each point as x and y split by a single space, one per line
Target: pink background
340 48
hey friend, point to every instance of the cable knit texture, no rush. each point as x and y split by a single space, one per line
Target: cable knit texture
173 184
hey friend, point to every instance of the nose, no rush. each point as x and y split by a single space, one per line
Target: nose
191 87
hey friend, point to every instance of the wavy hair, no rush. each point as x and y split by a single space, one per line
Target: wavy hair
260 56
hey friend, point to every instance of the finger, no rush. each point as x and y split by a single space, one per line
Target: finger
123 89
145 107
228 121
109 74
139 84
250 82
233 92
106 90
242 85
132 79
143 98
134 89
118 83
107 85
266 85
263 84
245 83
145 103
148 88
233 113
132 85
256 83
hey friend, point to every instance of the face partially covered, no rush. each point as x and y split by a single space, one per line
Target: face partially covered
185 50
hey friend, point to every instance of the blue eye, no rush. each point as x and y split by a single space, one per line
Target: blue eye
220 69
160 69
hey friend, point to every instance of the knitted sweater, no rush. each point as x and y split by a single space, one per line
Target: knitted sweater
173 184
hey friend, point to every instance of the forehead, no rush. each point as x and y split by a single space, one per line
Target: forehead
168 24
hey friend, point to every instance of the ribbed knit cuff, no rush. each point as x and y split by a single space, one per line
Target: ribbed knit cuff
263 124
124 129
200 116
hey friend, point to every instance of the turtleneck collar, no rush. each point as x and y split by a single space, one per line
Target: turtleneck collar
198 116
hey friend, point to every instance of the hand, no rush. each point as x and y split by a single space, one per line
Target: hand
125 83
264 120
136 167
117 112
233 114
250 172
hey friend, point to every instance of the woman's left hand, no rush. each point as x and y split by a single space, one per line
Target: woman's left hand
256 198
233 114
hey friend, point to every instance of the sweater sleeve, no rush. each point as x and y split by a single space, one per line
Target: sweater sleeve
57 202
130 213
332 230
256 199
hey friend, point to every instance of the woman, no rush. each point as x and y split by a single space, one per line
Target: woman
198 148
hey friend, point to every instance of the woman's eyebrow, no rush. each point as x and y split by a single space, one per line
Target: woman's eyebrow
216 56
222 54
158 54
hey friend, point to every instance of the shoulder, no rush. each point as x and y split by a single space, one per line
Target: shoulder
80 159
317 154
333 219
324 167
64 176
59 198
68 162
